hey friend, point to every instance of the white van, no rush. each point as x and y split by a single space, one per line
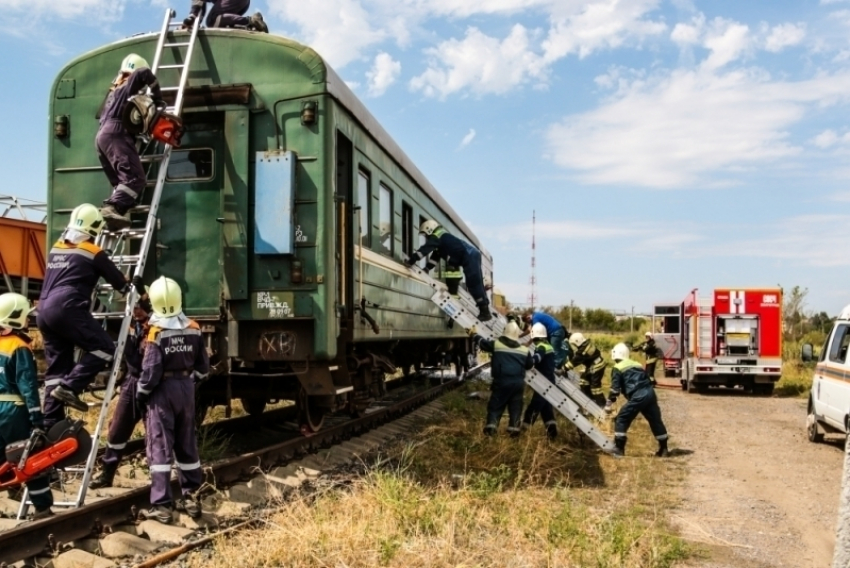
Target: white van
829 400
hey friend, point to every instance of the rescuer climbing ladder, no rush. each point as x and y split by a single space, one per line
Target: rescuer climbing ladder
565 396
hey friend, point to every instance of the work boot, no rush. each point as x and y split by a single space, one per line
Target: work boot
257 23
68 397
189 22
107 474
619 446
599 400
189 506
41 514
489 430
115 221
484 311
514 433
662 452
551 431
159 513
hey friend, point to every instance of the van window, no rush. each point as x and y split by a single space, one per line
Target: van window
840 341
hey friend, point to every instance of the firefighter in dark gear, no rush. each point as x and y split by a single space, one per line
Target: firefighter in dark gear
629 379
441 244
116 148
508 365
585 353
544 361
226 14
74 266
126 414
557 338
175 359
20 407
651 351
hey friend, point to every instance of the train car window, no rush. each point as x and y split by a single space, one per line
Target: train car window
192 164
386 219
406 228
363 201
422 239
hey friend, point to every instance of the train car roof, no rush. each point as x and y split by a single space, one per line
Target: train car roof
337 88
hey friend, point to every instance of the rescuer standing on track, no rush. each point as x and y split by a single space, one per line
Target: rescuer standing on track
441 244
226 14
126 414
116 148
629 379
74 266
544 361
584 352
20 407
175 359
557 335
651 351
509 363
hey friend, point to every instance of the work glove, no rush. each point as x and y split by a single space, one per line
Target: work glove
142 400
472 331
139 285
430 266
413 259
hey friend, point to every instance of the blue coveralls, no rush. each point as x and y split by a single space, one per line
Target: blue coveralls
223 14
174 359
557 336
509 363
116 148
443 245
65 320
630 379
544 361
19 379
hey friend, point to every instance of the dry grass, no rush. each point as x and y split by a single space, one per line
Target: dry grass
452 497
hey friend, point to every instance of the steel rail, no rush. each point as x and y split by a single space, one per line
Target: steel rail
47 535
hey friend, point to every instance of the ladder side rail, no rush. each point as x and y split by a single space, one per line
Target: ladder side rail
574 392
184 74
169 14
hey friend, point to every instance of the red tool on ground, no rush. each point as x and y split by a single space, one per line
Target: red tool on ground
66 444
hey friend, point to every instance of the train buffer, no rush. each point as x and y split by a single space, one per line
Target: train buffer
565 396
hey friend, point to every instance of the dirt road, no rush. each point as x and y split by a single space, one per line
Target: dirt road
757 493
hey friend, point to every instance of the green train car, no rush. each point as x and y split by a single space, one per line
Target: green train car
285 217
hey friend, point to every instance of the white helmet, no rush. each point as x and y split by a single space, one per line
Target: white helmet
166 297
620 352
538 331
86 218
576 340
511 331
428 226
648 334
14 310
133 62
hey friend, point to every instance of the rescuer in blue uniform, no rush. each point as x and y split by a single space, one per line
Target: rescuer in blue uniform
74 266
116 148
20 407
557 335
544 361
175 359
226 14
441 244
585 353
630 379
127 413
508 365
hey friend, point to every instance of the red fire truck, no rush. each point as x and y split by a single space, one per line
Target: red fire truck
732 338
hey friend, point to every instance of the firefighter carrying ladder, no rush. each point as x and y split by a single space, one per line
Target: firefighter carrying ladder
565 396
122 243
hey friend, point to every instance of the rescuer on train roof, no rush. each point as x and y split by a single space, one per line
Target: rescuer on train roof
226 14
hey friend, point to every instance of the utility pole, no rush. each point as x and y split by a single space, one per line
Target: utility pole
532 297
571 315
633 320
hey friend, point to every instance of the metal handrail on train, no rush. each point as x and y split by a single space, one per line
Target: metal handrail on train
23 207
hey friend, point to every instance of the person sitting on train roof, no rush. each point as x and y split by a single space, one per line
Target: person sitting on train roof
441 244
226 14
116 148
74 266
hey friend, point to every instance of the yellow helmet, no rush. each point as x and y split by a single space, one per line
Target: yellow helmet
14 310
576 340
133 62
166 297
87 219
428 226
511 331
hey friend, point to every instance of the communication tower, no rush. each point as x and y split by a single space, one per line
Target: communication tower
532 297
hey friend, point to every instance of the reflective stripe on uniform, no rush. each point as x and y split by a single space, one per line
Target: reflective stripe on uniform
12 398
619 434
81 252
662 437
34 409
101 355
188 466
116 446
161 468
550 423
144 391
40 491
127 190
52 382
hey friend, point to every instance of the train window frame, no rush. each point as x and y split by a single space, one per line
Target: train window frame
175 152
422 239
365 205
385 190
407 228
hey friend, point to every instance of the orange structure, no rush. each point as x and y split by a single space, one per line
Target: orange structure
22 249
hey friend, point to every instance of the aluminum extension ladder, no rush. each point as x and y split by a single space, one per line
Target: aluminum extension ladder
564 396
119 242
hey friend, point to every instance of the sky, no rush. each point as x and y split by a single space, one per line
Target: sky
663 145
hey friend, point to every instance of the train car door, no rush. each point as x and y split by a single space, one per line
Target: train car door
345 234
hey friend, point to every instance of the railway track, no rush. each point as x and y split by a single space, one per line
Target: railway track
47 536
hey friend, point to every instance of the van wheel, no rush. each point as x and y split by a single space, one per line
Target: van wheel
812 429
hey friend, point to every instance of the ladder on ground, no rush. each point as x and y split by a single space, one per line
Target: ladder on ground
127 256
564 396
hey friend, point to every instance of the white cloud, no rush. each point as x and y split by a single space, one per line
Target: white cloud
829 138
689 34
384 73
470 136
97 10
726 40
784 35
680 128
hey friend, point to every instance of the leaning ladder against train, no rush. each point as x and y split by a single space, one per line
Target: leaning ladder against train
120 242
